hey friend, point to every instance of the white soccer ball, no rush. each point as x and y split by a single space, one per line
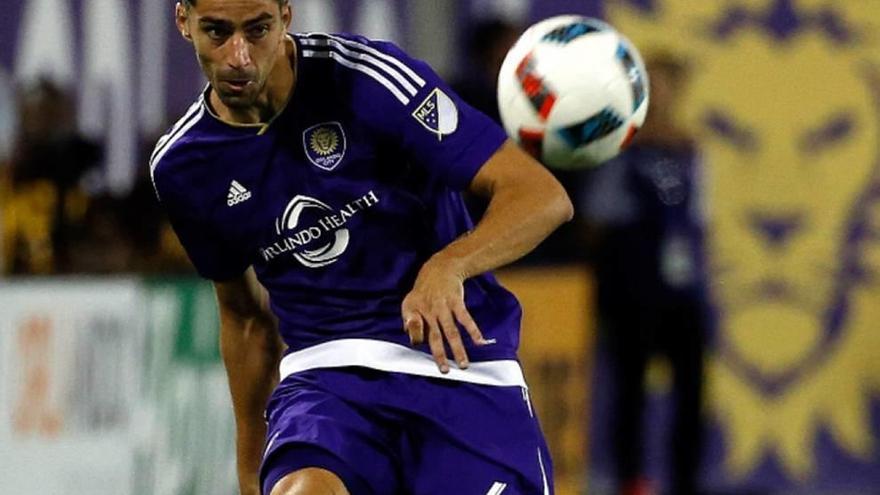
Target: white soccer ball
573 92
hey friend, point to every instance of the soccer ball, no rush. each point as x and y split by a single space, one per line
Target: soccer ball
573 92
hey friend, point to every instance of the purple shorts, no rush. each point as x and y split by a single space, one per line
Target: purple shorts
397 434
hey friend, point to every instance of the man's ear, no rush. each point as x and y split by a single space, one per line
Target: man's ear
286 16
181 16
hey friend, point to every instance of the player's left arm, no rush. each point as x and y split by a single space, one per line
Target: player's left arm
526 204
460 148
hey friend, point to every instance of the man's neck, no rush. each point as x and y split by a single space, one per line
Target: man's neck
277 92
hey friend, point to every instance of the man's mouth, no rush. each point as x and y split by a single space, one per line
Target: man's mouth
236 85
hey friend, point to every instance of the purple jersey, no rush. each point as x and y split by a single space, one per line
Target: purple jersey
338 201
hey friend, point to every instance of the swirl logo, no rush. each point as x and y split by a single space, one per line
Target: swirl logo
313 232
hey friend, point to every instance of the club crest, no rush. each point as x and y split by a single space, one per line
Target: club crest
325 145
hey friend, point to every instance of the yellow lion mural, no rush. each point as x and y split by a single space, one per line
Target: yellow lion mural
787 100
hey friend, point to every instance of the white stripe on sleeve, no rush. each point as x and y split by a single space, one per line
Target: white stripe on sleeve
360 46
182 131
342 60
365 57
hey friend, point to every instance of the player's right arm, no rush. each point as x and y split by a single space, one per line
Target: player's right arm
251 349
249 342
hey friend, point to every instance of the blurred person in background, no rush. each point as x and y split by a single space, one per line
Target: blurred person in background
100 245
46 206
154 248
8 117
645 231
486 46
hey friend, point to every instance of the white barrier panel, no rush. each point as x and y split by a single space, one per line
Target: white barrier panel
113 387
186 440
70 378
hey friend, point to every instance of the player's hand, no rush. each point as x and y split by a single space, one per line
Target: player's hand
435 308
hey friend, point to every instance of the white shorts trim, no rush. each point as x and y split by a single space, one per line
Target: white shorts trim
395 358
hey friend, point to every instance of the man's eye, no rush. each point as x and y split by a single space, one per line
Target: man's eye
216 33
259 31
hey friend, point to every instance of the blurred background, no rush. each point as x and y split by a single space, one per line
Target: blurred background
709 323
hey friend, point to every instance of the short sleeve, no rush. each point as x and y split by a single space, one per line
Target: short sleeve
210 252
405 101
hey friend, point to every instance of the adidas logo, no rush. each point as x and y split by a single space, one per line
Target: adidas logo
237 194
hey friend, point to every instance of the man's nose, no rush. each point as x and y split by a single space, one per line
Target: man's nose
240 57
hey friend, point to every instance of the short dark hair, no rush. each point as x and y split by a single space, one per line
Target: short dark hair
192 3
675 65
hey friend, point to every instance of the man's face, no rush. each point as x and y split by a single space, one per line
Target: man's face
237 43
666 86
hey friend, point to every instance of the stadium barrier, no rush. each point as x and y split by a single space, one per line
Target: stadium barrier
112 387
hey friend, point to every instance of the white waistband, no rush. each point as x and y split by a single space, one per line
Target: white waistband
387 356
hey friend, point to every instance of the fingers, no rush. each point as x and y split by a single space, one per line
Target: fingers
453 337
435 343
464 318
439 325
414 325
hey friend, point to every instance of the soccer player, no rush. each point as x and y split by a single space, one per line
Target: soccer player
330 167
